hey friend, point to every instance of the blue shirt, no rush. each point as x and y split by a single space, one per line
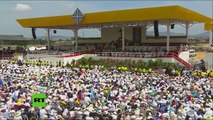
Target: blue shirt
1 82
6 115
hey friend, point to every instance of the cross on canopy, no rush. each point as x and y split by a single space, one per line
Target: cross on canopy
77 16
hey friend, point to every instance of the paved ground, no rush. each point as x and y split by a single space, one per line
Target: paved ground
209 60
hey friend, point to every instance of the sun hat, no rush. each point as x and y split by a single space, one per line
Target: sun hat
87 113
19 103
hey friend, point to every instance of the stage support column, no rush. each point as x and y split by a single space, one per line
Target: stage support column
123 38
211 45
187 32
48 38
143 33
210 39
76 39
2 46
168 37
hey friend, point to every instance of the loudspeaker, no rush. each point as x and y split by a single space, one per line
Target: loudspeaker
156 31
33 33
54 31
172 26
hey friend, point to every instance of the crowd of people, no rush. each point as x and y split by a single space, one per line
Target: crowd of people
73 93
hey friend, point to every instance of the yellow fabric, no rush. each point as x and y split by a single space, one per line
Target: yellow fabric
19 103
110 87
209 117
177 73
211 74
144 70
150 70
77 102
106 91
209 26
202 74
63 102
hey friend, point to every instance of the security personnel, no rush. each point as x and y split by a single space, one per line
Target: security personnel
13 61
177 73
144 70
102 67
199 73
51 64
63 64
57 64
125 68
195 73
211 73
150 70
119 68
87 66
202 74
136 69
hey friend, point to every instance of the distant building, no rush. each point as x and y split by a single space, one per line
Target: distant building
12 37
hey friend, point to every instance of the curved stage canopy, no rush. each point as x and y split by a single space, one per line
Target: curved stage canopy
142 15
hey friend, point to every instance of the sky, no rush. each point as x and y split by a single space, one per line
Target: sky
12 10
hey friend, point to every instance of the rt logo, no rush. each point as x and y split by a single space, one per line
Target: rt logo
39 100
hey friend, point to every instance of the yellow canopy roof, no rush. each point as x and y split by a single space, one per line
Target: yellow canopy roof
209 26
173 13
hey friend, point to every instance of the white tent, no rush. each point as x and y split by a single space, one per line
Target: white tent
33 48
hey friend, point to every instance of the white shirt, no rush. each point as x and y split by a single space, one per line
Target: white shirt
65 112
16 93
87 100
43 112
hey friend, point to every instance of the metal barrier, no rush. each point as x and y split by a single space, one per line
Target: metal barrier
136 54
145 55
54 52
6 58
46 52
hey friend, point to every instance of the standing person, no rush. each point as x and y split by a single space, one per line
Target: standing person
15 94
203 66
80 95
2 84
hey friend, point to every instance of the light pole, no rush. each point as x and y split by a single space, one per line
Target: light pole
211 47
1 53
37 49
2 45
77 17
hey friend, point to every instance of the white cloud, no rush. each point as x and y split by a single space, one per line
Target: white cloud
22 7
